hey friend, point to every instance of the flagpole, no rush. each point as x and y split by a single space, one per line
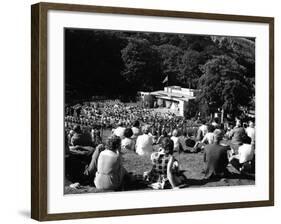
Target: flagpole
166 80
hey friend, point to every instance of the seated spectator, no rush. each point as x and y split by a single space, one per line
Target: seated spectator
77 159
186 142
91 170
96 137
144 143
153 134
202 131
119 131
80 138
251 131
163 135
245 154
110 171
136 130
175 140
182 141
209 137
236 135
71 133
216 157
190 142
216 123
230 126
165 168
127 144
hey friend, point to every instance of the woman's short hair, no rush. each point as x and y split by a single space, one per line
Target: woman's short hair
113 142
168 145
128 133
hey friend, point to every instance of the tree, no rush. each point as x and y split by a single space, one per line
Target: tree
142 65
92 63
171 59
242 50
189 71
224 85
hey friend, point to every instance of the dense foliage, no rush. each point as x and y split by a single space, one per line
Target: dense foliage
115 64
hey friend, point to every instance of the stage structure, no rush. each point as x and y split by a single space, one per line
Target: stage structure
173 98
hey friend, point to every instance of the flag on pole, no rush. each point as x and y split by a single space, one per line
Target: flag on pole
165 80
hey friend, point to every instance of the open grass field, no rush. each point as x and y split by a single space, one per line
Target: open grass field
191 164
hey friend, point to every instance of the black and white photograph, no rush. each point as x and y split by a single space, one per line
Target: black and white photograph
135 111
157 111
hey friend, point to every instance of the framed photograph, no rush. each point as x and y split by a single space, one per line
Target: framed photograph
139 111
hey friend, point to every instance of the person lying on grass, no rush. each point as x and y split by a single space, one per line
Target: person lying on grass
164 172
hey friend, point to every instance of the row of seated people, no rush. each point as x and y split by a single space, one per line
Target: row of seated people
217 156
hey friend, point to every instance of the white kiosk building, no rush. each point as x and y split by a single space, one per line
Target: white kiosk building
174 98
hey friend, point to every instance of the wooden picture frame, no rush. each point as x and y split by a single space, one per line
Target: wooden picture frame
39 109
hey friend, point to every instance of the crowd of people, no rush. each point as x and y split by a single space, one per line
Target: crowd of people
93 160
107 115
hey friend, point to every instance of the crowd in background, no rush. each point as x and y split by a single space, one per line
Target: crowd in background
108 115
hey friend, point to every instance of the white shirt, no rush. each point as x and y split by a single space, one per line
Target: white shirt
176 143
245 153
136 132
251 133
204 129
119 131
127 144
144 144
209 137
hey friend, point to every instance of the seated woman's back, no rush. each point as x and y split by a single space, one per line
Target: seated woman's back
108 162
110 172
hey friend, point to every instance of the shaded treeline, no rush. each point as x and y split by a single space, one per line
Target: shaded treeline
115 64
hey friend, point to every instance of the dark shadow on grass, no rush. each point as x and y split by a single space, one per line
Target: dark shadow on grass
242 176
200 182
136 185
203 181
